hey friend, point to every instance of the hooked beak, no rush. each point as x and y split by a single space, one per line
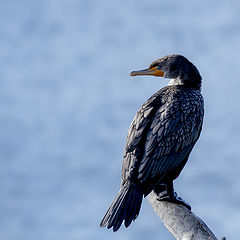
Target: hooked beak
149 71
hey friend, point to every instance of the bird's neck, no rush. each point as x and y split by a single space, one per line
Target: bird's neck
177 82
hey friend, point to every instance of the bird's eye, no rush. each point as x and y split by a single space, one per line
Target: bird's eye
158 68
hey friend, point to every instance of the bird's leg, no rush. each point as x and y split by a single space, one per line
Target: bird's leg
170 196
160 189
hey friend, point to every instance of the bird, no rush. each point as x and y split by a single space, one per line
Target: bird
160 139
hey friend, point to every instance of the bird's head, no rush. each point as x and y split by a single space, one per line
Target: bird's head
175 67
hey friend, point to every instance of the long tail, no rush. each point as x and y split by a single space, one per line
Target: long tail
125 206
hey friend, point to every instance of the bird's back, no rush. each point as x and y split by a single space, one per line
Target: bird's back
162 136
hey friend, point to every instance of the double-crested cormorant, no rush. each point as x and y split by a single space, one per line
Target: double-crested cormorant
159 140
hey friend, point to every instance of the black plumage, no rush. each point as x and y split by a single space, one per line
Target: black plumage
159 140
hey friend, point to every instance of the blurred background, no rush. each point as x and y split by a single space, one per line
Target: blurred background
66 102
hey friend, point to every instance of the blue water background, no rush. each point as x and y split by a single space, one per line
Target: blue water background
66 102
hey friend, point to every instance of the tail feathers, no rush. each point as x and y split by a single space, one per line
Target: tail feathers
125 206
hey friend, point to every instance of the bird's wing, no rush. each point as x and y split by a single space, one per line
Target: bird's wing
136 137
170 139
162 138
139 125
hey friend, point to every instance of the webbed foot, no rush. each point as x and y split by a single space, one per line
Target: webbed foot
166 192
174 199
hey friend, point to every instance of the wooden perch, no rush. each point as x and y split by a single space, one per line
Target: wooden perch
182 223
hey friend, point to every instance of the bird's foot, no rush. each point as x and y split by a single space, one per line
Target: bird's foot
173 199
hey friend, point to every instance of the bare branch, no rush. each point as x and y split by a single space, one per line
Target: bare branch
182 223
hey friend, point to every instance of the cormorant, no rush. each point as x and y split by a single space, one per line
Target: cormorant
159 140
